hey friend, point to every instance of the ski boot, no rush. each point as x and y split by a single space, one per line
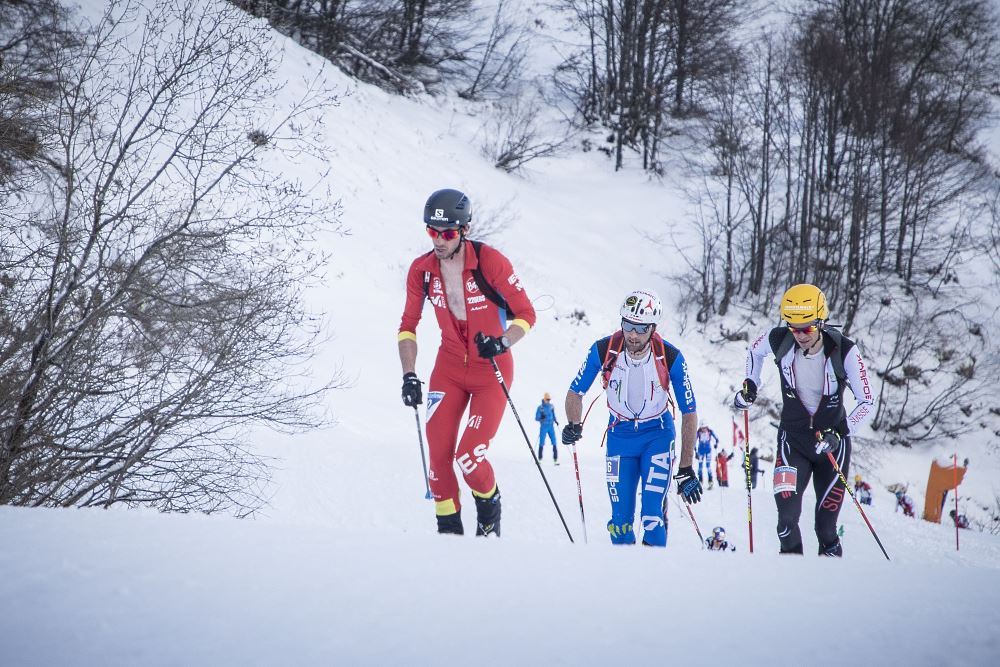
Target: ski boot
488 514
451 524
834 550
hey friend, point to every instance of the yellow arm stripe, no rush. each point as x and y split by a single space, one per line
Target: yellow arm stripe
521 323
406 335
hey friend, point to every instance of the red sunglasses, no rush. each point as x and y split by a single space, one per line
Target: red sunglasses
812 328
446 234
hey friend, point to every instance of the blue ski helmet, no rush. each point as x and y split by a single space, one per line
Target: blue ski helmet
448 208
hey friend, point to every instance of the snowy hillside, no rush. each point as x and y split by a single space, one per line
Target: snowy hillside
344 567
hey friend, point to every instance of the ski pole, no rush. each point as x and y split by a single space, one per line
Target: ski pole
510 402
579 492
954 463
701 540
856 503
423 459
746 464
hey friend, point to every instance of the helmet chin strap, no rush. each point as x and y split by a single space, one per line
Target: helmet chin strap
461 242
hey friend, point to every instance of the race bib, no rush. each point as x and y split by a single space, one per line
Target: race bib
613 463
785 478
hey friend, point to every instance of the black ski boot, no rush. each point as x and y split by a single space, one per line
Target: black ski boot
488 514
835 550
451 524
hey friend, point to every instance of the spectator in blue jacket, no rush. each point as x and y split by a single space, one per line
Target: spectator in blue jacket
545 415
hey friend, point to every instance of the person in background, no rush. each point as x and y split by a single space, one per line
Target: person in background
717 540
545 415
960 520
816 364
905 503
862 490
706 441
722 467
473 289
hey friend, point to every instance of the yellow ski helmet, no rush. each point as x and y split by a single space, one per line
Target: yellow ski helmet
803 304
546 397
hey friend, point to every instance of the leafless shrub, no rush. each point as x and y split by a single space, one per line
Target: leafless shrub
513 136
152 306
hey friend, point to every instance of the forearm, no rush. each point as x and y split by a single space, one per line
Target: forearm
514 333
408 355
574 407
689 429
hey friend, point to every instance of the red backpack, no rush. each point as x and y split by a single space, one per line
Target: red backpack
609 348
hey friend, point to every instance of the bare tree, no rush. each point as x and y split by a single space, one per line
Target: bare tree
398 44
497 61
514 136
644 63
844 153
151 310
31 36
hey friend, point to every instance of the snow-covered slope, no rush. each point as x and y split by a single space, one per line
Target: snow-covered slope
344 568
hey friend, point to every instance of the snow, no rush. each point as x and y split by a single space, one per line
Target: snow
343 566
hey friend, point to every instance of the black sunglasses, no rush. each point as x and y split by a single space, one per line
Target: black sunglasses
637 328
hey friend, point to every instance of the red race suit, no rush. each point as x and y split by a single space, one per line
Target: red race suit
461 377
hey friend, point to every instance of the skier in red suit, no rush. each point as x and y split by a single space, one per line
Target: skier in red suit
482 311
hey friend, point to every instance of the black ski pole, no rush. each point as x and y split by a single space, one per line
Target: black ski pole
423 459
579 492
496 371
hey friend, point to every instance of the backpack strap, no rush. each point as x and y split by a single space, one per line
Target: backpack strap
781 341
481 282
664 358
484 285
608 350
838 359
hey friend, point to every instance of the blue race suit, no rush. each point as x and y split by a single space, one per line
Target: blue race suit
546 416
640 440
703 452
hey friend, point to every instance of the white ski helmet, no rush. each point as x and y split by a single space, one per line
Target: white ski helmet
642 307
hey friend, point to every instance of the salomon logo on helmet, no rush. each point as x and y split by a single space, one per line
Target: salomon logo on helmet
448 208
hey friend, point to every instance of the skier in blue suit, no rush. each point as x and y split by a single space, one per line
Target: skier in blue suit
704 454
545 415
641 427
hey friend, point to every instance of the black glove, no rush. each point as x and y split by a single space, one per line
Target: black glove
490 346
412 394
827 440
572 433
746 396
688 485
